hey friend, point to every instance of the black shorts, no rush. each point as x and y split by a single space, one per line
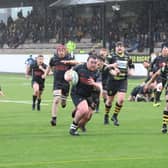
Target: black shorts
114 86
92 102
41 84
63 86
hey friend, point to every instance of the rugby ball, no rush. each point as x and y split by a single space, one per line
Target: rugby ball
75 77
71 76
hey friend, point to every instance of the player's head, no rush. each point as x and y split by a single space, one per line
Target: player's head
100 62
40 59
103 52
92 52
92 62
119 48
164 49
61 50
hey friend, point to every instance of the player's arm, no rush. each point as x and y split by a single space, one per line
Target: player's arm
46 72
70 62
96 84
153 78
131 67
41 67
114 65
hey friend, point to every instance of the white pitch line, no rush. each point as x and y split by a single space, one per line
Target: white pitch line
20 102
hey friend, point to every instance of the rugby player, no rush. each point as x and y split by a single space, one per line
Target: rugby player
38 69
117 81
60 85
82 93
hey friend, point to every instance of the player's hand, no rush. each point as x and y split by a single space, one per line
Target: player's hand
114 65
163 64
43 76
146 86
91 81
115 72
40 67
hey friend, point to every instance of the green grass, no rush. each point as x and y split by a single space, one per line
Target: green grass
28 141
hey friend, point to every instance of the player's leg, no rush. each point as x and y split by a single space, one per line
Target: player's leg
104 95
81 109
111 92
54 110
35 94
118 106
158 92
65 93
41 88
82 123
165 115
122 89
108 106
39 100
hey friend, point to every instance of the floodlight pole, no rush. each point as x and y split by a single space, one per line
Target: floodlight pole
62 26
104 24
150 16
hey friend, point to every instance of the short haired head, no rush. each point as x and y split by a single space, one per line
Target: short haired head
60 47
164 45
119 43
40 56
93 56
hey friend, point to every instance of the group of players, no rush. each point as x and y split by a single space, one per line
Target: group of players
102 74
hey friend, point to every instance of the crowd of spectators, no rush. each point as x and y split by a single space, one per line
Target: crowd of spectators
36 28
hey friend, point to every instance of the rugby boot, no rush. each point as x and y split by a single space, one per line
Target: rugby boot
164 129
53 122
115 120
73 130
38 107
33 106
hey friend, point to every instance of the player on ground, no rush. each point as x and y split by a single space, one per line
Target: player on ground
117 81
38 70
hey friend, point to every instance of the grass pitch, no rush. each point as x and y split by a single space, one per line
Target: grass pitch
28 141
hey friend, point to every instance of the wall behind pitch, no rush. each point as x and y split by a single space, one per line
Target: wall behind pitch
16 63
